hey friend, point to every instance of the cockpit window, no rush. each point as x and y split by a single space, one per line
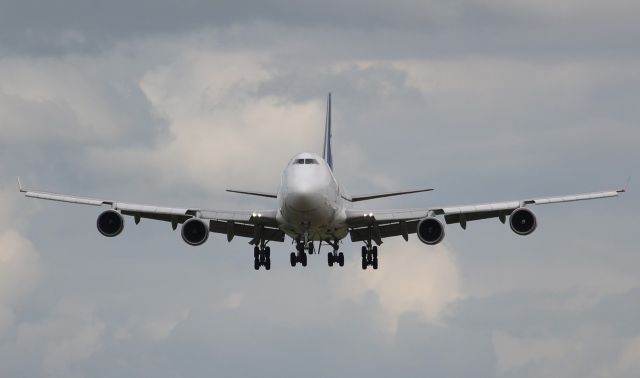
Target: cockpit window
305 161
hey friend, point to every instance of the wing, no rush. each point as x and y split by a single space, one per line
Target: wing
252 224
377 225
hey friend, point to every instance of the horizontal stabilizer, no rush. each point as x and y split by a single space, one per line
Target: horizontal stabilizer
252 193
366 197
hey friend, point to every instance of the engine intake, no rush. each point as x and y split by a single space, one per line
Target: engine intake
523 221
430 231
110 223
195 232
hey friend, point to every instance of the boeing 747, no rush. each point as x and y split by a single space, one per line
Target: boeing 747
311 207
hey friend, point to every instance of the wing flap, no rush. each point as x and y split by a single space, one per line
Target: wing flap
245 230
386 231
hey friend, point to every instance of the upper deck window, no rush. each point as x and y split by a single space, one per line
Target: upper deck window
298 161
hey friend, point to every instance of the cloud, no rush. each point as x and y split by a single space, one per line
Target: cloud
20 264
411 278
483 100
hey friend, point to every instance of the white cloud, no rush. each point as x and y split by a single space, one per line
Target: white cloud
517 352
629 361
220 131
161 329
68 335
412 277
20 265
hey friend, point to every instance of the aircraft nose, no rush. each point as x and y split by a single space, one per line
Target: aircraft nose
303 201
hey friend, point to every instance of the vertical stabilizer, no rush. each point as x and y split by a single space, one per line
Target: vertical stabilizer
326 152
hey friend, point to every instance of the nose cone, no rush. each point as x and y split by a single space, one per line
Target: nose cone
303 200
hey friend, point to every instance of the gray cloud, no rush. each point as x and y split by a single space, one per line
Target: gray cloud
162 103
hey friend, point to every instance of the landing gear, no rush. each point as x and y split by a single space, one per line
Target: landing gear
301 256
262 257
295 258
335 257
369 256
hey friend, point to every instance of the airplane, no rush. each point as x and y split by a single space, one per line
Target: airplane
313 207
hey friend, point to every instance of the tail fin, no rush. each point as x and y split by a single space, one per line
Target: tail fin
326 152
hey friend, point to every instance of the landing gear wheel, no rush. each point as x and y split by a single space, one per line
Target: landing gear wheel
293 259
341 259
256 252
303 259
365 263
267 252
267 264
374 263
374 252
330 258
364 252
256 264
311 248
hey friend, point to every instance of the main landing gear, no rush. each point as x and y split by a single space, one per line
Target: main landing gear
301 255
335 257
261 257
369 256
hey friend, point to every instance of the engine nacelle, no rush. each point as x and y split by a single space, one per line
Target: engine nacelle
195 232
430 231
110 223
523 221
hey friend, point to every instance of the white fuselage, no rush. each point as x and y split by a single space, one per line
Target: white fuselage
310 201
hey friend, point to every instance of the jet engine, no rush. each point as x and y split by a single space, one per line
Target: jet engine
430 231
110 223
195 232
523 221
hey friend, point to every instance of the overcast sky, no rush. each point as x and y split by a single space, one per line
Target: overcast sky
170 102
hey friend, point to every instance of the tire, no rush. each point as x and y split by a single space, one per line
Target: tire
330 258
364 264
304 259
292 259
267 252
267 264
256 264
364 252
341 259
256 252
375 252
375 263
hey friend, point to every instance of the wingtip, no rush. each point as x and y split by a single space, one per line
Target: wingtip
626 186
20 188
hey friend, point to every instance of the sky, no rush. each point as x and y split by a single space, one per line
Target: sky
171 102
